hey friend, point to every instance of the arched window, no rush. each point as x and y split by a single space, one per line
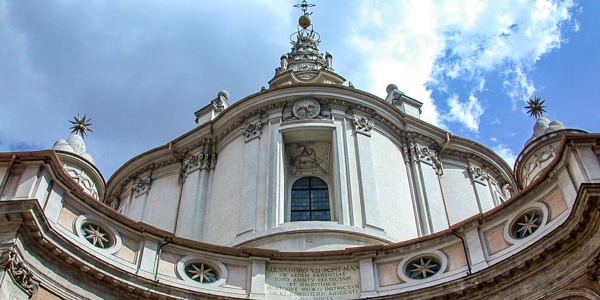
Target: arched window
310 200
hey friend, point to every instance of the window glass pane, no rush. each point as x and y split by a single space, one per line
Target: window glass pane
317 183
300 216
310 200
300 200
301 183
320 215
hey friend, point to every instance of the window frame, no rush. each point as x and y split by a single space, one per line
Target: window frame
310 200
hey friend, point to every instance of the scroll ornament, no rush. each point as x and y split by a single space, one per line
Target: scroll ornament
21 274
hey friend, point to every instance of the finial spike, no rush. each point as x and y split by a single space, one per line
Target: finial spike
536 107
81 126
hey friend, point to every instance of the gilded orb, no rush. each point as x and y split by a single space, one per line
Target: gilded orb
304 21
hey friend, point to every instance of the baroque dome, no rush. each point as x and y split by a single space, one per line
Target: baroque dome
308 189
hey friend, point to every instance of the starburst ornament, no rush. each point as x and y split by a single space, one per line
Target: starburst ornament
81 126
536 107
528 225
95 236
202 273
425 268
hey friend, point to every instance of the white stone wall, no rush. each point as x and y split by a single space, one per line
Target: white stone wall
393 190
224 208
384 178
458 191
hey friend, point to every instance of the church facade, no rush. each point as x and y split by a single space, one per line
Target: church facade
308 189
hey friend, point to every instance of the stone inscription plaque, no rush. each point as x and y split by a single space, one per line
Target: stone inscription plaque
318 282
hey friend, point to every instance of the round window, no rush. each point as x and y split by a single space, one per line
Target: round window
201 272
97 235
527 223
423 267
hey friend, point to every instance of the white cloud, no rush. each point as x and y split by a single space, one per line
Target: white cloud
413 43
467 112
517 86
506 154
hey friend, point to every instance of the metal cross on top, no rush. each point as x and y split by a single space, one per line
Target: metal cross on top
304 5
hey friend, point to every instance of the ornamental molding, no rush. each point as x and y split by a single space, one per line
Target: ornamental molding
151 167
205 160
362 125
207 155
83 180
419 153
142 185
20 273
534 163
252 130
490 168
242 119
478 174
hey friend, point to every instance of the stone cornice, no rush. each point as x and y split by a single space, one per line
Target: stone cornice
581 226
232 119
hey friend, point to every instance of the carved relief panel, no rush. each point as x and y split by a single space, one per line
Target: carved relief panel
306 108
310 158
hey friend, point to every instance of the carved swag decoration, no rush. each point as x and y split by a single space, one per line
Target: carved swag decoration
21 274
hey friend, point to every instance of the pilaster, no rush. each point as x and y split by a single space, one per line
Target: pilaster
251 133
479 179
426 168
370 203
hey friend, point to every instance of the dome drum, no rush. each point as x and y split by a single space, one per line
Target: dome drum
243 175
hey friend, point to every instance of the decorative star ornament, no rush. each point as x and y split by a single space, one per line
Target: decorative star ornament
81 126
202 273
528 226
536 107
425 268
95 236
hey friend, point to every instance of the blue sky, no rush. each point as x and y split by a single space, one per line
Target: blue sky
140 69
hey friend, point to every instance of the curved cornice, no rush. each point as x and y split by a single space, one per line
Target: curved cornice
404 126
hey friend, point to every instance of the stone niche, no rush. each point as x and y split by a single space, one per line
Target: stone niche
308 152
